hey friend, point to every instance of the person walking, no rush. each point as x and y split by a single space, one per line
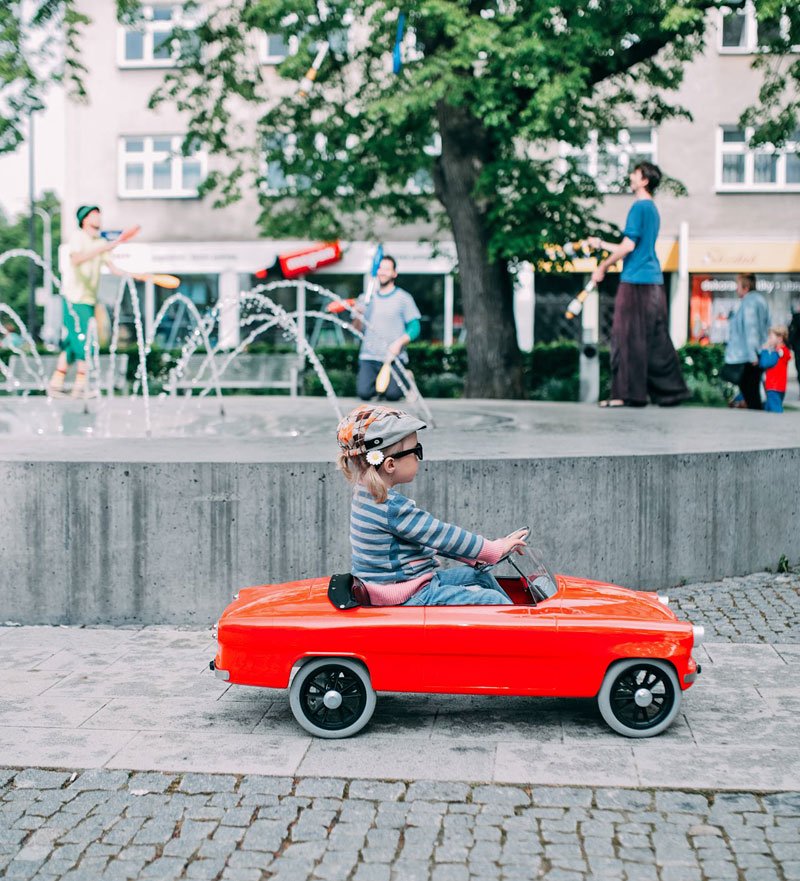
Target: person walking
643 360
88 253
747 334
391 321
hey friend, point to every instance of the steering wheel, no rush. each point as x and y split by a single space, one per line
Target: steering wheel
509 557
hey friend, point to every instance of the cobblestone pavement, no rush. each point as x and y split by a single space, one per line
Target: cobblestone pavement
113 825
764 607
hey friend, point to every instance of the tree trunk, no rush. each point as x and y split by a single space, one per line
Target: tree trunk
494 364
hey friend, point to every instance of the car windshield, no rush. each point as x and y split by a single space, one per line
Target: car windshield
531 566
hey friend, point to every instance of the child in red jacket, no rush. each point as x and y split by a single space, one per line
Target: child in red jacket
774 359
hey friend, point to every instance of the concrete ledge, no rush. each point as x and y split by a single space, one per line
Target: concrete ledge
170 542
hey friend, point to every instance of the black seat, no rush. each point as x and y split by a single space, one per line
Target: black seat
347 592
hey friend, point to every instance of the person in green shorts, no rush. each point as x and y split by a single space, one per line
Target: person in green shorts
88 253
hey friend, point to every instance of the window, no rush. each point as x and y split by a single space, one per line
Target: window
741 167
274 176
149 44
610 163
154 167
422 181
273 48
739 31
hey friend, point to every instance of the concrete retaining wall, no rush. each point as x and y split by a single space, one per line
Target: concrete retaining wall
146 543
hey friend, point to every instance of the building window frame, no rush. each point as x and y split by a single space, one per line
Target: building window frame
750 44
148 158
624 152
741 147
292 44
150 29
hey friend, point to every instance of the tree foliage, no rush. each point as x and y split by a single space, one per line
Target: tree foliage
13 235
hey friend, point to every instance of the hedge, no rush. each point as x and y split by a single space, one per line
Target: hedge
550 371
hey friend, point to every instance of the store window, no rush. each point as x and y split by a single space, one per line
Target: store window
741 167
714 300
150 42
610 162
155 167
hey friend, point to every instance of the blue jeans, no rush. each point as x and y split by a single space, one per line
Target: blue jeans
774 402
460 586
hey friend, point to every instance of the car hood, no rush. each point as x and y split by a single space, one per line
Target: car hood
583 596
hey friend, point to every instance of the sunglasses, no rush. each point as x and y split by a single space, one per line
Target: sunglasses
417 451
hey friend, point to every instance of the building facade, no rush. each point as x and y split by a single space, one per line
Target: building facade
740 213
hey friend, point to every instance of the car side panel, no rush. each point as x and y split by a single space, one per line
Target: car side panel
263 651
589 645
489 650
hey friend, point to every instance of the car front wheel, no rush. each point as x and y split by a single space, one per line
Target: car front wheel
639 697
332 697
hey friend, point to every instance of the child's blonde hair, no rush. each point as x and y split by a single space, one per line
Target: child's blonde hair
357 471
780 330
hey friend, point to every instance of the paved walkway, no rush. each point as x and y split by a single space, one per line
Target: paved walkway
109 738
112 825
144 699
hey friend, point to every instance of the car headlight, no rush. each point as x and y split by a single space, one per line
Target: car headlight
699 633
663 598
215 630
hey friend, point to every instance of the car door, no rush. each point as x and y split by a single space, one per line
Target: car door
474 649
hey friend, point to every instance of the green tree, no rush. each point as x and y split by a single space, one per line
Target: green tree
14 234
496 82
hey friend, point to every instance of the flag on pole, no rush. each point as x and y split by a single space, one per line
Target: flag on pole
373 282
397 56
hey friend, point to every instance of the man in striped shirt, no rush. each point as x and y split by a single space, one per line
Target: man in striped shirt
393 541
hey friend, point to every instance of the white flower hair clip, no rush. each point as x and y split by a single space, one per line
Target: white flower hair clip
375 457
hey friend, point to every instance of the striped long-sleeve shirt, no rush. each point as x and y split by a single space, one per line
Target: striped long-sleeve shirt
394 545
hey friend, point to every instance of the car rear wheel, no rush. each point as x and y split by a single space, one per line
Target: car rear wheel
639 697
332 697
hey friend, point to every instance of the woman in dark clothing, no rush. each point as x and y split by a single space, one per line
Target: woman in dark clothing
643 360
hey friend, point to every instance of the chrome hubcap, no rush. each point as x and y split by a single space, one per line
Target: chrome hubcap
332 700
643 697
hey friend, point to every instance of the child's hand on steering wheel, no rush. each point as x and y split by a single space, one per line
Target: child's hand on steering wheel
515 542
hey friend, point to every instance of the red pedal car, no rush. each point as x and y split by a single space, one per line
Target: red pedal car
563 637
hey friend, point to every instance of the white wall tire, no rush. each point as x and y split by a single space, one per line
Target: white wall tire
640 697
332 697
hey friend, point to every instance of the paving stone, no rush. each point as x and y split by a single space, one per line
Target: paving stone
252 783
426 790
374 790
36 778
150 781
100 778
625 799
330 787
211 783
561 796
684 802
500 795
